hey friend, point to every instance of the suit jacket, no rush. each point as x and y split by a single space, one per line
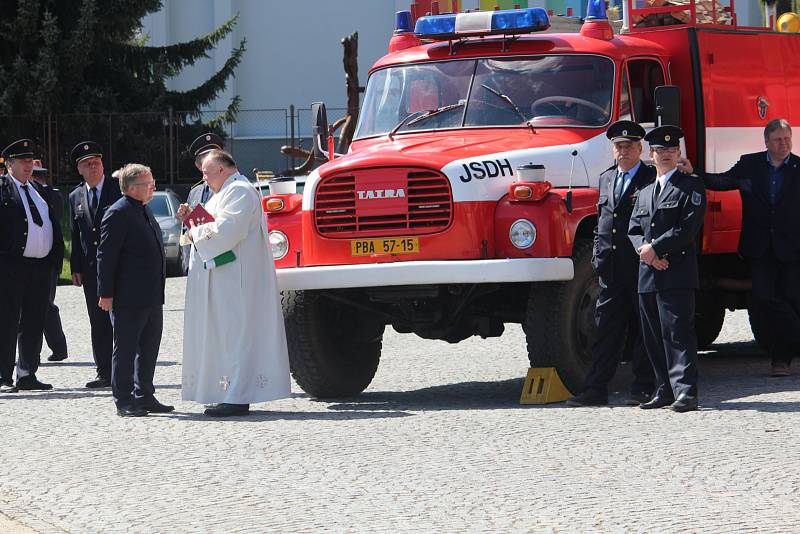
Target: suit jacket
765 227
14 225
86 227
614 259
195 195
130 258
671 224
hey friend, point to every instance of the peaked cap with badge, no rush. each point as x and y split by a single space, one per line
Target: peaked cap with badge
206 143
625 130
23 148
86 149
664 136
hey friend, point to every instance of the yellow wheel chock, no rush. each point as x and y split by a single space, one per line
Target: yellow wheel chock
543 386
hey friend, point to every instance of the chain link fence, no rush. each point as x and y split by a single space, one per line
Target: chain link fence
161 140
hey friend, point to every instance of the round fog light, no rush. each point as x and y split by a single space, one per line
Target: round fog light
522 233
279 243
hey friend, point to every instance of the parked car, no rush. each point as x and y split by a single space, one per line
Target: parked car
165 206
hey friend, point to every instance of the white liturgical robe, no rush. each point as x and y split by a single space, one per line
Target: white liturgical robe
234 342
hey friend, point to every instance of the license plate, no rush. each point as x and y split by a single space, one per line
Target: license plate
389 245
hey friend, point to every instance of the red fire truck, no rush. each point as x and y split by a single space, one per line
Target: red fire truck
468 197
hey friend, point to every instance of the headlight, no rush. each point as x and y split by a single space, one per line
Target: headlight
522 233
279 243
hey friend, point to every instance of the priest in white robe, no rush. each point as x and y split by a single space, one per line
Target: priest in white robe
234 342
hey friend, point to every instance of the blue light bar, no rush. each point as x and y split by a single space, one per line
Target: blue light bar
403 21
596 10
505 22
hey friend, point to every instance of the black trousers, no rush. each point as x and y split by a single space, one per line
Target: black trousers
26 288
670 340
137 338
53 331
617 314
100 326
776 299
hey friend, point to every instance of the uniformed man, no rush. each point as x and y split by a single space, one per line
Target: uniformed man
88 203
664 230
616 263
53 330
200 193
31 246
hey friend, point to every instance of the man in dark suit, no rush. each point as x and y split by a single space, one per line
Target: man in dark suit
53 331
200 192
88 203
769 184
131 273
616 263
31 246
664 229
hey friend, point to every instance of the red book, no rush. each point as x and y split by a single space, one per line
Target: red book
199 216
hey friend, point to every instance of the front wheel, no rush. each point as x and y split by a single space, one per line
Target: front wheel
559 321
334 350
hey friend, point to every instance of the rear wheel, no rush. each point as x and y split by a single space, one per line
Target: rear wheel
709 315
559 321
334 350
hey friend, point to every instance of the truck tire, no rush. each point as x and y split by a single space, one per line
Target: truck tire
559 321
709 315
760 327
334 350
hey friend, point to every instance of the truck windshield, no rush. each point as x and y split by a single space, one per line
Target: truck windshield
543 91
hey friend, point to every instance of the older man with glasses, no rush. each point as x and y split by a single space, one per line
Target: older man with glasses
131 273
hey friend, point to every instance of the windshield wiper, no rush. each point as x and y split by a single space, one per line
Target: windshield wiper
506 99
421 116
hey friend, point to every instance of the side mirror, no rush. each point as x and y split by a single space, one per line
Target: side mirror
319 129
668 105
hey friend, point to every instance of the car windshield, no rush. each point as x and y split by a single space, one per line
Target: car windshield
160 206
555 90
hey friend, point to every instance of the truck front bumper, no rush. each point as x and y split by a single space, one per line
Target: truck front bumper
427 272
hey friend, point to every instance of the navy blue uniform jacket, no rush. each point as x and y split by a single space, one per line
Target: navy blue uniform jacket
764 226
86 227
614 259
14 225
671 225
130 257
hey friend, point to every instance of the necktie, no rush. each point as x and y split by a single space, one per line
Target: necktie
37 217
656 192
619 186
204 195
93 201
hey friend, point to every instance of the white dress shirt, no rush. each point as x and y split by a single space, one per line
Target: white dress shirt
663 179
40 238
99 188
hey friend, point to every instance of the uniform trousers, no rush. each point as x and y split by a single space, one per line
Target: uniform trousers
137 338
53 331
776 300
670 339
100 326
22 313
617 314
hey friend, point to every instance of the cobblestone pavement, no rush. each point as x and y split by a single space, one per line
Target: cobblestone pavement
438 443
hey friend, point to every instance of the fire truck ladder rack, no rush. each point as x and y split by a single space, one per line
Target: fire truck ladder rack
699 13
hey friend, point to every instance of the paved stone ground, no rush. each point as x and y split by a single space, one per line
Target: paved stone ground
437 443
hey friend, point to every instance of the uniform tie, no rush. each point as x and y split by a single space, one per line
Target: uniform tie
93 201
619 186
37 217
656 192
204 195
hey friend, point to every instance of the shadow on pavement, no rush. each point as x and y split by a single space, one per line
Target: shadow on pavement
66 363
260 416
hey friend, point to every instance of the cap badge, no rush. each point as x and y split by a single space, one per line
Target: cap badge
667 138
208 138
24 143
86 147
624 132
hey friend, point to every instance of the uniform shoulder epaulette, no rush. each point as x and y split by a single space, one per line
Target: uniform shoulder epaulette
201 182
612 167
76 187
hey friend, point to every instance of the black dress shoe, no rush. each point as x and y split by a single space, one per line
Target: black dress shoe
56 357
31 383
684 403
638 397
131 411
156 407
588 398
99 382
227 410
656 402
